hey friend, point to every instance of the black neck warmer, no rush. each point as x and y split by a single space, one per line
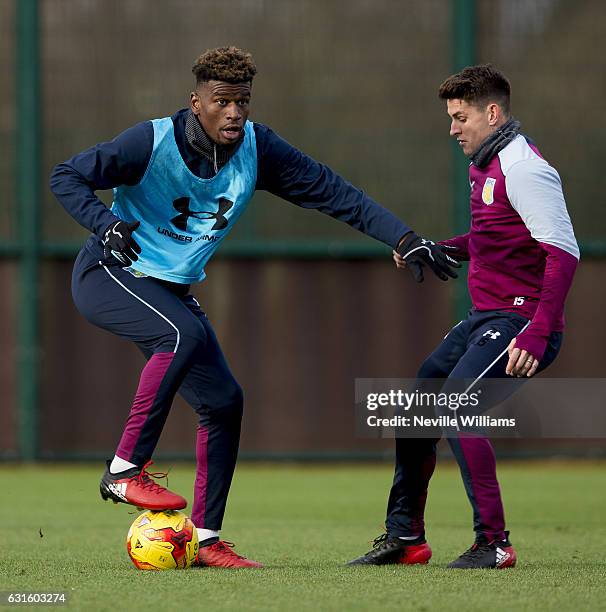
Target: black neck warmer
497 141
201 142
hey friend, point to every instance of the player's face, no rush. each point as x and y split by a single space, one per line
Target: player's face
471 124
222 109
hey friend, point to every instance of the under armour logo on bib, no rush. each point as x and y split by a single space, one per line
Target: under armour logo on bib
182 206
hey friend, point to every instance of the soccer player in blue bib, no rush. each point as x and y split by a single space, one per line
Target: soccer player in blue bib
180 184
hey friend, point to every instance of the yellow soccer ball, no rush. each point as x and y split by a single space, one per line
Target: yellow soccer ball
162 540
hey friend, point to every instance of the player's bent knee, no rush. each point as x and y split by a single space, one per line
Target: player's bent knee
235 397
230 405
167 343
192 338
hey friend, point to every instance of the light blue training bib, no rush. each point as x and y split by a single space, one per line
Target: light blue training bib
183 217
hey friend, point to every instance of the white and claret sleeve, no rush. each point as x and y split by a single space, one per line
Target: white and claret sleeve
535 192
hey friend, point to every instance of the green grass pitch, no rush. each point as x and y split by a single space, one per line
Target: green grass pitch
304 523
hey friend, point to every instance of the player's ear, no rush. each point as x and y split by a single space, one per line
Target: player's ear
194 102
494 113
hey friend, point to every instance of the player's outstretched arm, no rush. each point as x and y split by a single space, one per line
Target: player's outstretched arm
290 174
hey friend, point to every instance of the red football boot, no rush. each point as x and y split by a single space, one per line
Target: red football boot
416 553
388 550
220 554
136 487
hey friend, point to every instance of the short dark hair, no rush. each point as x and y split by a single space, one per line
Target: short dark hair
478 85
228 64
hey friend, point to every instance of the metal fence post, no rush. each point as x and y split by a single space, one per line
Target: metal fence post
464 28
28 162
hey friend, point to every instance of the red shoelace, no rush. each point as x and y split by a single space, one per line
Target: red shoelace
225 546
144 478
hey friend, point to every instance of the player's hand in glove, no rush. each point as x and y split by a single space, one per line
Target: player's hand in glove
416 252
118 241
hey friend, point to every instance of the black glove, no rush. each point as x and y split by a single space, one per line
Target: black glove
119 242
418 252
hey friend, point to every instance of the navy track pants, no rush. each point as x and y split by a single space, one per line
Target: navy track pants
183 355
475 348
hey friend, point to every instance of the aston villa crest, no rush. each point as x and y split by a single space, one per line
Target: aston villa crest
488 191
